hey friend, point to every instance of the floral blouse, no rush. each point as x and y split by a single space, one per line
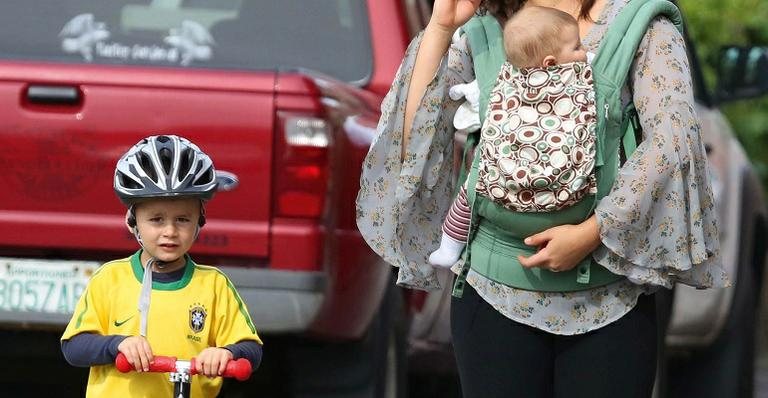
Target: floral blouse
657 226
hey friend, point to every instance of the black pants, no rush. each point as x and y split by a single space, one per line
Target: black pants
498 357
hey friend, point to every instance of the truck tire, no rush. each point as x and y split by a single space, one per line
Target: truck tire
373 367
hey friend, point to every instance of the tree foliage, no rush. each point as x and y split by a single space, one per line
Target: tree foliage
712 24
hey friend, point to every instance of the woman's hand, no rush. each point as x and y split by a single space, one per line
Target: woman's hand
137 351
561 248
449 15
212 361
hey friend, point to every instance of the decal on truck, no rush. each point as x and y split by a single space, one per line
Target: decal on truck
81 33
192 40
184 44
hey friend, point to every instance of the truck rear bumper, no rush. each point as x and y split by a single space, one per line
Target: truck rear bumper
279 301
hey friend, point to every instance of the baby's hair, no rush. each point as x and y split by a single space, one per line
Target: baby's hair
533 33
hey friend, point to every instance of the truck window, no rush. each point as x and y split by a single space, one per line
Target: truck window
329 36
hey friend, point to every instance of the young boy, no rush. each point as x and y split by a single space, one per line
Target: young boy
533 43
184 310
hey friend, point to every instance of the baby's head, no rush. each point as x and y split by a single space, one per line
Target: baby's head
542 36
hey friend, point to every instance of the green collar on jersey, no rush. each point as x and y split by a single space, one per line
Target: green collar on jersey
138 272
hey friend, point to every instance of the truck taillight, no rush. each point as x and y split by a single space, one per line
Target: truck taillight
301 165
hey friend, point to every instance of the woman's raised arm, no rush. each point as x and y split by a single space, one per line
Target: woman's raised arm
447 16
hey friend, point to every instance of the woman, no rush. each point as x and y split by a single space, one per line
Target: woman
509 342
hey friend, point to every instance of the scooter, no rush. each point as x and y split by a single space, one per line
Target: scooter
180 371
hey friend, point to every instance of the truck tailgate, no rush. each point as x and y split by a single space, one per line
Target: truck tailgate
58 158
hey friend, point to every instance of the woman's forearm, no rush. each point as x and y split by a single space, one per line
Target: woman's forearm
434 45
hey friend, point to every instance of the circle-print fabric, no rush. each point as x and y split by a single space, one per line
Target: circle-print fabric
538 143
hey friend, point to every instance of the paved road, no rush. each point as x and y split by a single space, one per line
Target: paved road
31 376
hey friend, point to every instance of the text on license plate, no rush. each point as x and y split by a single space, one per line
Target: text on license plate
50 286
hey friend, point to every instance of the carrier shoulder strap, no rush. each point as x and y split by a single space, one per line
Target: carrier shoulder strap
485 41
617 125
619 45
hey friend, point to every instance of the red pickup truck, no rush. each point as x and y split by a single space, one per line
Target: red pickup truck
284 96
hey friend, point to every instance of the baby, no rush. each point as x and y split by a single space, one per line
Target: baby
535 39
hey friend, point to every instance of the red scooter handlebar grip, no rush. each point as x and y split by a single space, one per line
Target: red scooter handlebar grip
239 369
121 363
159 364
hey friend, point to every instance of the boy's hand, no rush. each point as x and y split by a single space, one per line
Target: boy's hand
212 361
137 351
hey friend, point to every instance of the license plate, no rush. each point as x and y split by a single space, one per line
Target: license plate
48 286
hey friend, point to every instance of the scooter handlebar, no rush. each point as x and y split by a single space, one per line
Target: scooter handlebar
239 369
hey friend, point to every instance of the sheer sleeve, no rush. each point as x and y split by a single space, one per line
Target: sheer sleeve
401 205
658 225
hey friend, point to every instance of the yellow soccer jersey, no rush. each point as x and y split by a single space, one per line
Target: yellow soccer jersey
201 310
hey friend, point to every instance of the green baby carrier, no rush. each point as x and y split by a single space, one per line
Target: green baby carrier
497 233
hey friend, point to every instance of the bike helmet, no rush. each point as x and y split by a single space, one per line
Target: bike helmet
164 166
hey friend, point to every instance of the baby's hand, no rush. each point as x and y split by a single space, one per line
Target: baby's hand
212 361
137 351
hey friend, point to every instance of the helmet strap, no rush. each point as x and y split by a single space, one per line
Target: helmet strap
131 221
145 296
201 221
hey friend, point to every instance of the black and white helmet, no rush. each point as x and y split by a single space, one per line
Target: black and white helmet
164 166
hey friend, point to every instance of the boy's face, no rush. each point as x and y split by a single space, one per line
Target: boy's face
572 50
167 228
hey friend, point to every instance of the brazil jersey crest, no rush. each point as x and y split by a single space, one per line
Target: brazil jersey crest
197 316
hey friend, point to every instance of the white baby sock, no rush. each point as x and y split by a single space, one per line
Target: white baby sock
448 253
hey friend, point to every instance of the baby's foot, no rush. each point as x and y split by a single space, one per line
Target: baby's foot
448 252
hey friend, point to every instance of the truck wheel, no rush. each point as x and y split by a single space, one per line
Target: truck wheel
373 367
